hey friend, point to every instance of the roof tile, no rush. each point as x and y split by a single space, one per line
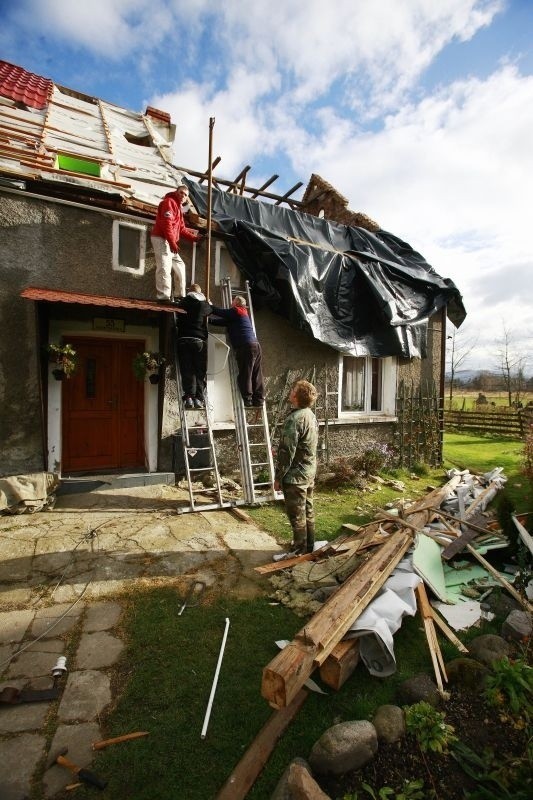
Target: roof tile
25 87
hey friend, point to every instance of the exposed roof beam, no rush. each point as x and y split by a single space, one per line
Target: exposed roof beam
264 186
287 194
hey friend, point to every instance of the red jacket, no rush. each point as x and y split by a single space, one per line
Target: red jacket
169 222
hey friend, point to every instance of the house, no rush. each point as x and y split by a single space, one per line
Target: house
336 299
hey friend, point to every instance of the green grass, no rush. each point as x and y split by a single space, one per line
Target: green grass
169 668
166 675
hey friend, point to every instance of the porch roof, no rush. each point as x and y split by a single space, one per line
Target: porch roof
59 296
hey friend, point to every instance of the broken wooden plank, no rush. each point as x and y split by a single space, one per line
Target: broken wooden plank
340 663
434 649
448 632
458 544
329 549
247 770
495 574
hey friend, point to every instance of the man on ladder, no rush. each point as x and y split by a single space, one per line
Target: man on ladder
246 348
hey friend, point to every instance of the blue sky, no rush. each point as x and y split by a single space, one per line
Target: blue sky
419 111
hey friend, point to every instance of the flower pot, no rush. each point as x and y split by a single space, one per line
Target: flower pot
154 377
59 374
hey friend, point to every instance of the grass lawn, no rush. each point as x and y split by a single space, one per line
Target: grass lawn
166 675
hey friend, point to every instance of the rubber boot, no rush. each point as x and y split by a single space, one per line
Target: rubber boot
310 538
299 536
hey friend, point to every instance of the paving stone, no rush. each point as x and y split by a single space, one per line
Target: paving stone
14 624
18 596
37 660
85 696
19 756
6 652
23 717
97 650
56 620
78 739
102 616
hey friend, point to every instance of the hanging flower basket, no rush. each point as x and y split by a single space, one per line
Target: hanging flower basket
65 360
150 364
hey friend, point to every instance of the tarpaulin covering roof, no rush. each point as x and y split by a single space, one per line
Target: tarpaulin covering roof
359 292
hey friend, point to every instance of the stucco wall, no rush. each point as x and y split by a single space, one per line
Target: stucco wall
46 244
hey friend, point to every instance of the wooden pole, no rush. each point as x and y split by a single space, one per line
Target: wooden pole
209 198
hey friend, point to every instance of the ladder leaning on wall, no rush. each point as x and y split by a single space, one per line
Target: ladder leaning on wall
196 424
251 425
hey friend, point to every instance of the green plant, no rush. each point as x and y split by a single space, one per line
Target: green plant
510 685
427 725
411 790
147 362
497 778
63 356
373 459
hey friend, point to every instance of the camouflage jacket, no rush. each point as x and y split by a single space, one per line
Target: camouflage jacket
296 461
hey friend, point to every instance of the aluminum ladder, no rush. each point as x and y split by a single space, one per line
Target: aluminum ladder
197 421
251 425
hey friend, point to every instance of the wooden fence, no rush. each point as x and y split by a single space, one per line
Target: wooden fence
515 424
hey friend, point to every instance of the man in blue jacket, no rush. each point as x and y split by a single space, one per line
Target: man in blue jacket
246 348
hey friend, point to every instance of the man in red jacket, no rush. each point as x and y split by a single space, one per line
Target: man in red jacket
168 228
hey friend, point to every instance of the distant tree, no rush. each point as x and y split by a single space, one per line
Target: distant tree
460 345
511 364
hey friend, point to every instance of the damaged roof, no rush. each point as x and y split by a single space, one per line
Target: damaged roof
53 134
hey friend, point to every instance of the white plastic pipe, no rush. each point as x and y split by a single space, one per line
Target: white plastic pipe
215 680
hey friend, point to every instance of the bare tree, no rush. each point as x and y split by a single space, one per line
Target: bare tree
511 364
459 347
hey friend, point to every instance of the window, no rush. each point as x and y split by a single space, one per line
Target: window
84 166
367 385
129 247
225 268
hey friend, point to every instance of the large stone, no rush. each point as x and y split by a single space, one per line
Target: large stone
389 722
517 626
467 673
19 756
417 688
344 747
488 648
303 786
282 790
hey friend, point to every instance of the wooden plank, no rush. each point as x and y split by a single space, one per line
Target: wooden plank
458 544
340 663
247 770
495 574
329 549
448 632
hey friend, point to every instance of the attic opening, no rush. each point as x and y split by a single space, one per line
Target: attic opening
141 141
84 166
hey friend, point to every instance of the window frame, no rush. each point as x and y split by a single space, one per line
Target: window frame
389 371
219 279
117 224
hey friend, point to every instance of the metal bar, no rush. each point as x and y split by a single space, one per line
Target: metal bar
209 202
215 681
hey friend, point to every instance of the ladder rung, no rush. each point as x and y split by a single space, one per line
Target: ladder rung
256 425
201 469
259 463
196 449
263 483
257 444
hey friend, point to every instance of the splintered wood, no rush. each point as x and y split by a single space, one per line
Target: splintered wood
286 674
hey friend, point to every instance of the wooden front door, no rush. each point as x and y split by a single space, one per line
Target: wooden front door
103 407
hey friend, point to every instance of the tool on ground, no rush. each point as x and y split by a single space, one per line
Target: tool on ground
84 775
190 594
215 680
117 739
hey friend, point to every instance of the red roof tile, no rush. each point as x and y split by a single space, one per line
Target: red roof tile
24 87
57 296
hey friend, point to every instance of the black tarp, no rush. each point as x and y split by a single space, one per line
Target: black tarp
359 292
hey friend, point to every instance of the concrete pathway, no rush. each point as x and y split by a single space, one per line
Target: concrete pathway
61 576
